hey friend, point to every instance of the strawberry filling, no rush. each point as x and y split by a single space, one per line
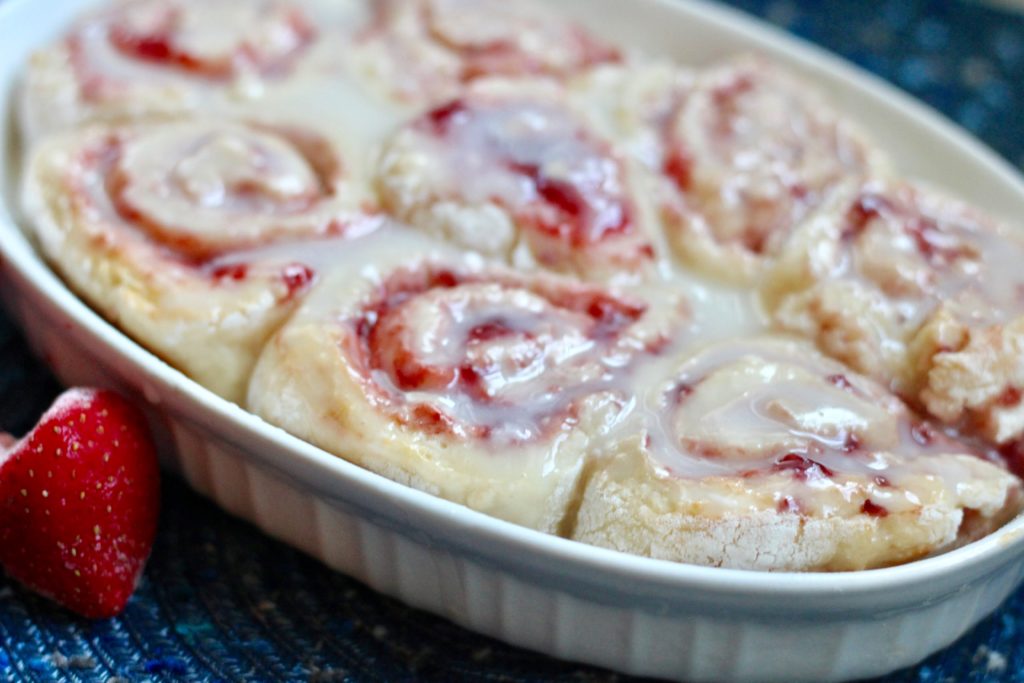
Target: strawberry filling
939 243
202 194
542 166
749 156
497 350
174 37
514 39
802 467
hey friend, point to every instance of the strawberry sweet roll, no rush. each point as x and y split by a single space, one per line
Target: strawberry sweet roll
187 234
749 151
511 170
763 454
143 57
918 290
423 50
473 382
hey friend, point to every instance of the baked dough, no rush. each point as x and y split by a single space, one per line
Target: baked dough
143 58
165 229
467 380
422 51
513 171
918 290
749 151
762 454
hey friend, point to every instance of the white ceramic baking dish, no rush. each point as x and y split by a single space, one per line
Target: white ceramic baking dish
569 600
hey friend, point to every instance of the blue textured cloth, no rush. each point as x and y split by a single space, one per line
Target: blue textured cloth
222 602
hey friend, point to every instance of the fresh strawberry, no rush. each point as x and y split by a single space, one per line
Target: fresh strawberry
79 497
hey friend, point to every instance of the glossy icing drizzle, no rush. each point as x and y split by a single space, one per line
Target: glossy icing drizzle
751 154
202 190
497 356
564 188
937 251
762 406
154 42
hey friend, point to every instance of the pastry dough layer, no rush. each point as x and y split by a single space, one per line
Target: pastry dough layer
763 454
918 290
155 225
461 378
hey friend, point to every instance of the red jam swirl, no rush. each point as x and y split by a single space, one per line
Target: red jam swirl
938 250
754 410
481 38
204 192
492 37
936 242
563 187
502 356
751 155
210 40
772 419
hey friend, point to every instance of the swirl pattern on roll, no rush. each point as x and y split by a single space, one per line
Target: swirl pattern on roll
139 58
515 173
748 153
937 288
452 374
202 190
763 443
508 345
210 40
424 50
181 231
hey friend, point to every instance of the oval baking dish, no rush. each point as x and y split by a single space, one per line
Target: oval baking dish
566 599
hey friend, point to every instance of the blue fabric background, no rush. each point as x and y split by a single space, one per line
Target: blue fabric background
222 602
